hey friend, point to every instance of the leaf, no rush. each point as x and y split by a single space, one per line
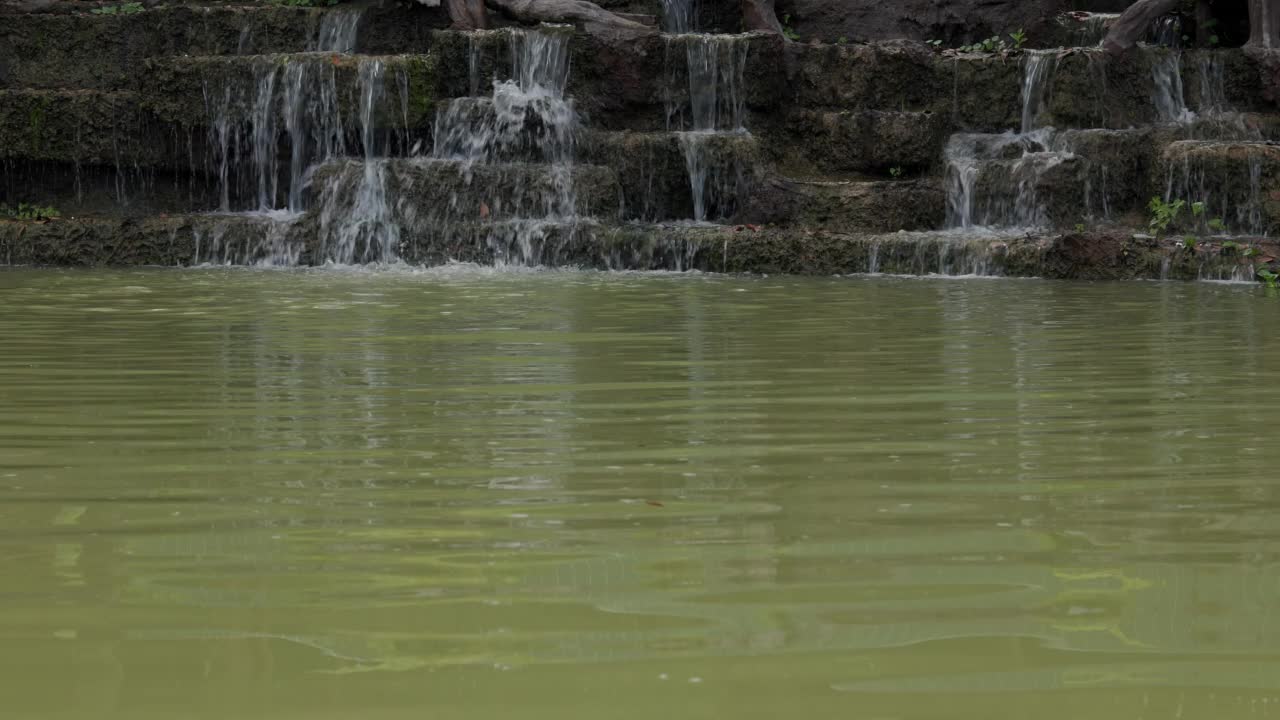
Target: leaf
484 210
654 503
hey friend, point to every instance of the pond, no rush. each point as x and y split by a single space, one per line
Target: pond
467 493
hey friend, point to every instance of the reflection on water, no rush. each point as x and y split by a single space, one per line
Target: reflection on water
234 494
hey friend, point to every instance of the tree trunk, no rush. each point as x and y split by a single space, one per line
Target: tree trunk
1133 24
759 16
1264 24
1204 13
596 20
468 14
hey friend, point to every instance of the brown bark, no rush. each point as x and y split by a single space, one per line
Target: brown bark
759 16
596 20
1264 24
1133 24
468 14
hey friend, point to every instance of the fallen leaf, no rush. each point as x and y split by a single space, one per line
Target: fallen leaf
654 503
484 210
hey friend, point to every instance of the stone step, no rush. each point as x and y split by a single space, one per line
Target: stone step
868 141
1238 183
421 192
86 50
654 170
849 205
263 239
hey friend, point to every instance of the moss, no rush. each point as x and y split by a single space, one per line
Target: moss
36 123
424 80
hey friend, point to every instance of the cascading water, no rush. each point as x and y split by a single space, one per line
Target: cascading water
1209 172
713 107
678 16
296 94
1170 102
337 32
995 180
1167 31
500 172
367 231
1037 74
1212 81
1090 29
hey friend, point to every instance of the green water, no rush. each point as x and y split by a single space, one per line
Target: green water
461 494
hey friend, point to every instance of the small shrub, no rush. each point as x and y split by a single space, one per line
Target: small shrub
1269 277
1189 242
1217 225
895 172
787 30
23 211
1163 214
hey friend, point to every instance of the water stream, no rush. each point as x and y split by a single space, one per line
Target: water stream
709 105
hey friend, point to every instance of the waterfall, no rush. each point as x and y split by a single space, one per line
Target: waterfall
994 180
1171 105
678 16
1209 172
313 122
1091 28
337 32
1167 31
263 122
293 98
368 230
1037 76
500 172
1212 79
713 104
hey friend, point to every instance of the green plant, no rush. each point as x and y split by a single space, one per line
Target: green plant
23 211
1019 38
1189 242
1229 247
1197 209
842 40
787 30
1079 228
1217 225
935 44
1163 214
1269 277
895 172
129 8
1250 252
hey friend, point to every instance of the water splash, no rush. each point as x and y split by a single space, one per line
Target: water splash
368 231
996 180
500 175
